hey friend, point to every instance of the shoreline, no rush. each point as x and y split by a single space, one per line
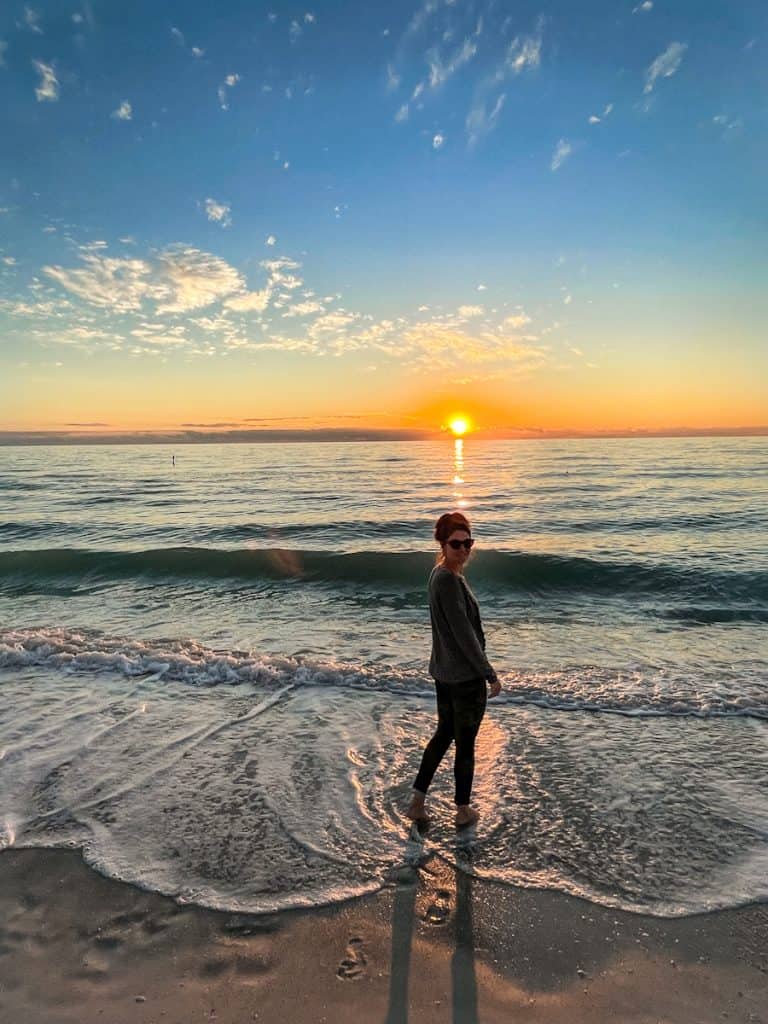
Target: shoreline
438 945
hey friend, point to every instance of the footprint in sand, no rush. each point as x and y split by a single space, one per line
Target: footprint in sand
352 967
439 910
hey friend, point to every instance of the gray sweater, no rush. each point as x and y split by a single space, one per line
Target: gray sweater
458 643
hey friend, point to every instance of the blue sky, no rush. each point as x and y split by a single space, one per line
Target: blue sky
283 205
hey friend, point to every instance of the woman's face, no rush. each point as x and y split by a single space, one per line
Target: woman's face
456 554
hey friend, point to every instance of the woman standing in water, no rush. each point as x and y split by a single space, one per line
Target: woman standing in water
459 667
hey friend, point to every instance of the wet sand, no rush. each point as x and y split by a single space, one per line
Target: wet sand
436 946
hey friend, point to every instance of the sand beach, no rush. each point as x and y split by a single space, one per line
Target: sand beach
435 946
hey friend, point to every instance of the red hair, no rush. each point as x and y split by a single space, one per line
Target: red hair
447 524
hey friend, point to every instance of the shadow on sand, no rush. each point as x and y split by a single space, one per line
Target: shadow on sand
463 981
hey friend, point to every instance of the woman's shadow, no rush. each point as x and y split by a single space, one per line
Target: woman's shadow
463 980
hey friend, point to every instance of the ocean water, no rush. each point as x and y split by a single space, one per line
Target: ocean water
213 675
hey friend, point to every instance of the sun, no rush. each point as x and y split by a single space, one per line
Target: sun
458 425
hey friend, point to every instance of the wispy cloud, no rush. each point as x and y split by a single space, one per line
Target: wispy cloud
424 343
178 35
646 5
517 321
124 112
562 151
728 124
306 308
48 89
470 311
665 65
482 118
281 272
218 212
250 302
524 51
229 83
442 68
31 21
177 280
597 118
522 54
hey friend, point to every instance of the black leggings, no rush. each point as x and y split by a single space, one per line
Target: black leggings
460 710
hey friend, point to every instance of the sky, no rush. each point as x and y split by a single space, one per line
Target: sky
548 217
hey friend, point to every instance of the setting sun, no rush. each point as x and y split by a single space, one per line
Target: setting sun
458 425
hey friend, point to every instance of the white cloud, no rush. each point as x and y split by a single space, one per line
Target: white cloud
281 274
249 302
482 287
124 112
270 240
32 20
309 18
438 140
440 71
192 279
524 52
665 65
177 280
118 284
304 308
562 151
567 300
48 89
402 114
197 51
728 124
646 5
393 79
424 343
517 321
595 119
470 311
178 36
481 120
218 212
229 83
295 30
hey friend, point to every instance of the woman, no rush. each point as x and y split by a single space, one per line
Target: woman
459 667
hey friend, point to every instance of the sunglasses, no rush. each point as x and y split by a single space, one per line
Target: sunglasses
456 544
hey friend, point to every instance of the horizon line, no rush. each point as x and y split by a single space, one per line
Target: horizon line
14 438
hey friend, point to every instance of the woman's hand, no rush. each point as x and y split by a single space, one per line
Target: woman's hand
494 686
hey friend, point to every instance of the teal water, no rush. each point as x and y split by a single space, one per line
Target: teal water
181 642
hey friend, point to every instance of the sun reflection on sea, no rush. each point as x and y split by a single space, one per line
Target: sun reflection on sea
458 473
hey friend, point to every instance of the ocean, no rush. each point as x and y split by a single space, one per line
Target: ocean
213 674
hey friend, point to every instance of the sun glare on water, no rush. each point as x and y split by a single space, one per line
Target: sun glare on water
458 425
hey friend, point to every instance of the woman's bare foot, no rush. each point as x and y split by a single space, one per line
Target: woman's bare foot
416 810
466 815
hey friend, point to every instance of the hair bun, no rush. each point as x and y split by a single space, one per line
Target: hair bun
447 523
